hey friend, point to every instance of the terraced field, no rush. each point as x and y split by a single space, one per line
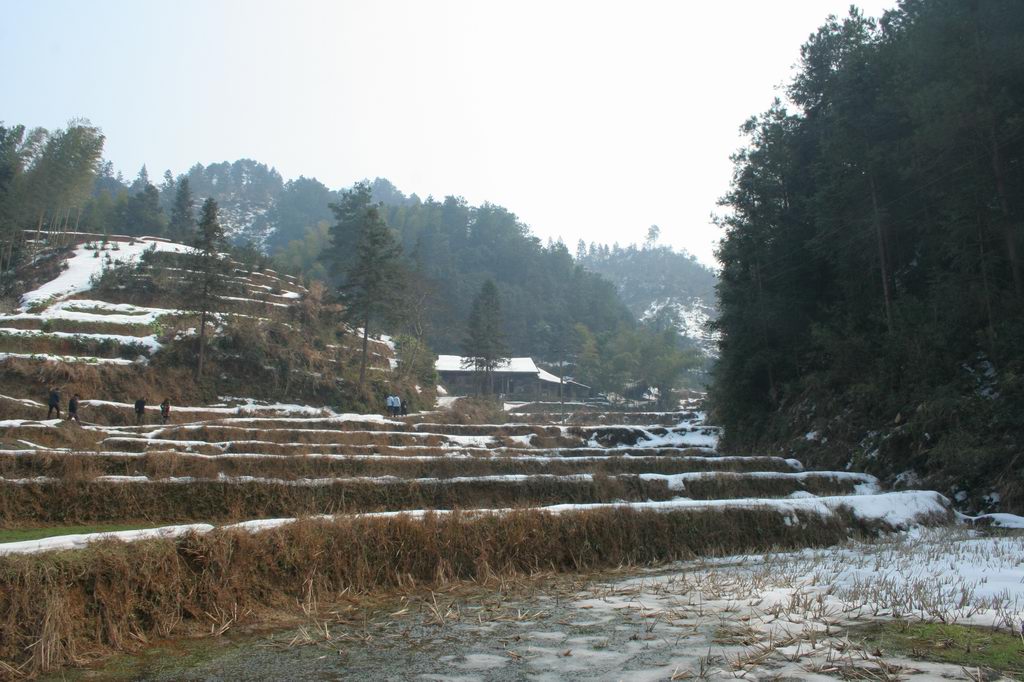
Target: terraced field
58 320
231 510
216 468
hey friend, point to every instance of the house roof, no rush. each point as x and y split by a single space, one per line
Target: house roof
548 376
453 363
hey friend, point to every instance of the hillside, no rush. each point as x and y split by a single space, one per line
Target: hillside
108 318
661 286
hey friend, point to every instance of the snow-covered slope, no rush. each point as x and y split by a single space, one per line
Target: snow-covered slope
691 318
662 285
87 263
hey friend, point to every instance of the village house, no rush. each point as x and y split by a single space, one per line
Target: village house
515 378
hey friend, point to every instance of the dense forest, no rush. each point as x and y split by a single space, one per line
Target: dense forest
553 308
871 292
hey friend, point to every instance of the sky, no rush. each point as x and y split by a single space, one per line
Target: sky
589 119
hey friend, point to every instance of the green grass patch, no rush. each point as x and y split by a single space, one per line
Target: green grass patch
957 644
22 534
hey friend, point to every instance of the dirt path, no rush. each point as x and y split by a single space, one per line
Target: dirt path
754 619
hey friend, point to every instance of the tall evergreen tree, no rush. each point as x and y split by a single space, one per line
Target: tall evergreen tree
211 268
183 220
142 214
484 348
141 181
372 285
350 214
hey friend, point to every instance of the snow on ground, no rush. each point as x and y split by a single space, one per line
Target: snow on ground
866 484
67 358
150 341
85 310
703 438
257 410
1011 521
786 616
83 265
674 481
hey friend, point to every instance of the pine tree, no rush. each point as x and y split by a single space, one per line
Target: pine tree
141 181
484 347
351 216
167 188
183 220
142 214
211 267
373 281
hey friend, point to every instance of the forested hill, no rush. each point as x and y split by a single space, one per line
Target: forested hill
871 294
552 308
659 284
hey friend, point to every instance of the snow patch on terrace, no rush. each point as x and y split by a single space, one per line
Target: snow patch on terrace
69 358
866 484
83 265
149 342
86 310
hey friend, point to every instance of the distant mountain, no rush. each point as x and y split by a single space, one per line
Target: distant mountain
660 285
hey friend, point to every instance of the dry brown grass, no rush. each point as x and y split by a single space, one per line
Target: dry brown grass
55 345
78 327
312 434
733 485
62 608
473 411
122 383
163 463
81 501
169 464
65 435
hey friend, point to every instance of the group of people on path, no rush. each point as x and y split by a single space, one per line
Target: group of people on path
140 408
397 406
140 411
54 405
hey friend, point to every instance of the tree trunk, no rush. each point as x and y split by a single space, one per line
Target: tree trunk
1009 233
772 391
202 342
886 294
39 229
366 348
985 285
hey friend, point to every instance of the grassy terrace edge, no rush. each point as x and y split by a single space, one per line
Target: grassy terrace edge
67 608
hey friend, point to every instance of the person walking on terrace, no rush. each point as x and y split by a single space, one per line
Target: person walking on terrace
404 407
54 403
165 410
140 411
73 408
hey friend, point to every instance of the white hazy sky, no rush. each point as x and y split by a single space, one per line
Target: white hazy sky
589 120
